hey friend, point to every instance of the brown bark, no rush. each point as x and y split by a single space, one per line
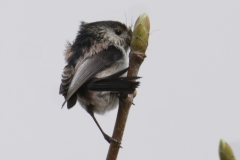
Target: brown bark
138 47
136 59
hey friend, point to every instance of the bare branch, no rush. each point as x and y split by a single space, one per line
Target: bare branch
138 47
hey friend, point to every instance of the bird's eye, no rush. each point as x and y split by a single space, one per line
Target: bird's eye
118 31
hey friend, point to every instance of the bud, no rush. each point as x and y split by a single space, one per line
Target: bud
141 34
225 151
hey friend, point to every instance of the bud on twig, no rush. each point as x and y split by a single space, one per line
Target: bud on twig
225 151
141 34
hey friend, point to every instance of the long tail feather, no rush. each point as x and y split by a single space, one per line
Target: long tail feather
114 83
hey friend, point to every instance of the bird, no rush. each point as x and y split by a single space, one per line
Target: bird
97 65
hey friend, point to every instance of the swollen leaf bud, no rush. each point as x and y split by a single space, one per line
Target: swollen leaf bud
141 34
225 151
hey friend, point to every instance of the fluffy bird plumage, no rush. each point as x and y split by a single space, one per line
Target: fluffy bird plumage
97 63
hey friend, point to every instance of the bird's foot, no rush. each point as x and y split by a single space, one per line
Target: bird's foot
110 139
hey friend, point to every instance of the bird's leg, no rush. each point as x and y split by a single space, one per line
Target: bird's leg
107 137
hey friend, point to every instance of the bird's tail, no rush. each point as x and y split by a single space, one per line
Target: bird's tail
114 83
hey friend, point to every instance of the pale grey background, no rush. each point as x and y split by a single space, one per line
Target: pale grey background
188 99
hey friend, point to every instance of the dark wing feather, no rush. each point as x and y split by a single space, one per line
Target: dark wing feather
91 67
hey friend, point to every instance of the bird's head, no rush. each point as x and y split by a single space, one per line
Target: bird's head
109 32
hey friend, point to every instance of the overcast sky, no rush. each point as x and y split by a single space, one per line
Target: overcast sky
189 96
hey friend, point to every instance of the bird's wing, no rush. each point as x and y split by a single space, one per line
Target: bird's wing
91 67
